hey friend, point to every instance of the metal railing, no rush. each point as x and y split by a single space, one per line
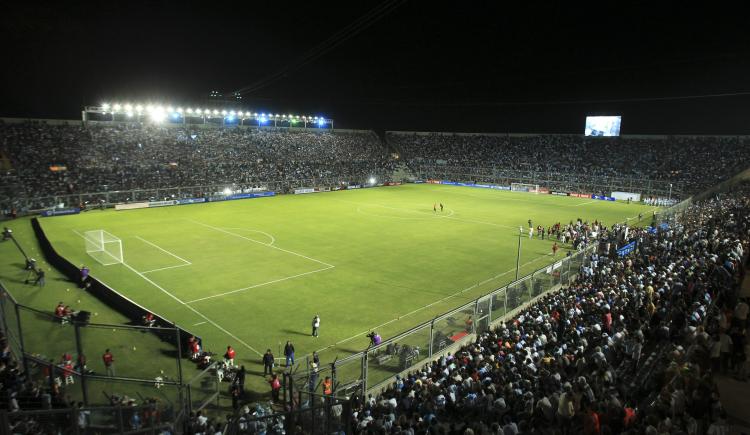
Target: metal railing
378 365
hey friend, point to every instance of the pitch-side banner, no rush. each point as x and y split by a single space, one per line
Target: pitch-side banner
60 212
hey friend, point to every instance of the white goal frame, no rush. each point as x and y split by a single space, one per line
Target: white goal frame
103 247
524 187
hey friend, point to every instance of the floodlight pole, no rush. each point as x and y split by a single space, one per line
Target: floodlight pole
518 256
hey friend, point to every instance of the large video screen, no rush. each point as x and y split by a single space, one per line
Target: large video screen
603 125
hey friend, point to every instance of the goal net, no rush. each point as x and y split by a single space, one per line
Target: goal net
103 247
522 187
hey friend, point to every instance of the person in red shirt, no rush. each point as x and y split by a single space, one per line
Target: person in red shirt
591 421
275 387
60 312
195 349
229 356
109 362
68 372
149 320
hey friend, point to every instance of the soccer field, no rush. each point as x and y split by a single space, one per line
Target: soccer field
253 273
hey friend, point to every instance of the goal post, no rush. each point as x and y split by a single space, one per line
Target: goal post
103 247
523 187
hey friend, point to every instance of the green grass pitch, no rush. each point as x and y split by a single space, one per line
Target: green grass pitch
253 273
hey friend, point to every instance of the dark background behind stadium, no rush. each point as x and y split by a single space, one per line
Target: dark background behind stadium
453 66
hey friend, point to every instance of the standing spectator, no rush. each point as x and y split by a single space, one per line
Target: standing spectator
240 379
268 361
229 356
84 276
275 387
315 325
289 353
109 362
39 277
555 249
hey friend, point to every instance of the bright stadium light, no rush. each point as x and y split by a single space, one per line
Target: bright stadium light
321 122
240 114
224 112
227 191
190 110
117 107
262 120
129 107
157 115
139 108
130 114
105 106
284 116
372 181
198 111
255 114
216 112
170 109
179 110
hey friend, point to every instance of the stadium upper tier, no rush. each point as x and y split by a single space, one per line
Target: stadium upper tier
122 157
693 163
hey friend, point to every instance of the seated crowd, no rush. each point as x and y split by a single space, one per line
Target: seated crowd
632 347
125 157
692 163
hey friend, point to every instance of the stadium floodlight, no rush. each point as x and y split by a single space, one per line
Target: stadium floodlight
139 108
179 110
231 112
157 115
240 114
321 122
130 114
170 109
223 112
105 106
227 191
255 114
315 118
150 108
117 107
372 181
216 112
129 107
284 116
190 110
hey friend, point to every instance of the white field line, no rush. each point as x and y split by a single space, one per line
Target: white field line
199 323
584 203
261 243
433 303
165 268
164 250
273 239
165 291
259 285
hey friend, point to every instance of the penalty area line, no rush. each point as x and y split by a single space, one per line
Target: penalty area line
181 302
259 285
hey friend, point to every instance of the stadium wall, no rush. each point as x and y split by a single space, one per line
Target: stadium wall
104 293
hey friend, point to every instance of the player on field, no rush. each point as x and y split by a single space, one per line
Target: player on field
554 249
434 207
441 206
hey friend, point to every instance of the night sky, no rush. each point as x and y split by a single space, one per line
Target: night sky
450 66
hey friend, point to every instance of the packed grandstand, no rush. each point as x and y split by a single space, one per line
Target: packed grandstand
632 347
42 162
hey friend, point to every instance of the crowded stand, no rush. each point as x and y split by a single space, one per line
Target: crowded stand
693 163
115 157
633 346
